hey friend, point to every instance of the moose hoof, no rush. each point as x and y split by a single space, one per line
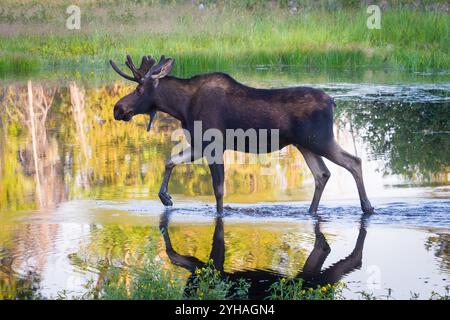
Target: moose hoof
166 199
312 210
369 210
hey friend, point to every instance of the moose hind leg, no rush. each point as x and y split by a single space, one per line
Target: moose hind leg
353 164
321 175
184 156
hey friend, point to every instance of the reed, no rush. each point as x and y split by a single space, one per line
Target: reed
222 35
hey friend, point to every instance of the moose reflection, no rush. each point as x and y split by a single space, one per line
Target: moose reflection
312 272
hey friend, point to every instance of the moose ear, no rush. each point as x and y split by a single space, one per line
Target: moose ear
164 69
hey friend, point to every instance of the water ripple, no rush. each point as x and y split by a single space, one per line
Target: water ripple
432 213
407 93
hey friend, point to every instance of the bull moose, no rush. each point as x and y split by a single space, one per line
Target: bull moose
303 117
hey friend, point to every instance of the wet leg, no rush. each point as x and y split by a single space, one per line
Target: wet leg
321 175
353 164
218 176
184 156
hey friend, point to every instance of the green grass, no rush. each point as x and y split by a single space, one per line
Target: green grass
19 64
293 289
222 36
153 282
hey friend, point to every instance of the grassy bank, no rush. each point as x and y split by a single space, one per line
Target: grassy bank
33 36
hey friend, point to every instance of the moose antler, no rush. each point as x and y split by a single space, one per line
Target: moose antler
138 73
161 69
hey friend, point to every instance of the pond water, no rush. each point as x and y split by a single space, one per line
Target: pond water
78 190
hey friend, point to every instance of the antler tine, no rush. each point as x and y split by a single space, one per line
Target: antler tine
146 63
121 73
151 60
161 62
132 67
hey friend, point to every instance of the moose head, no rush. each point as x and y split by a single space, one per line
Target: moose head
144 99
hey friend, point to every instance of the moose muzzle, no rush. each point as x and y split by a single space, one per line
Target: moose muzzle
120 113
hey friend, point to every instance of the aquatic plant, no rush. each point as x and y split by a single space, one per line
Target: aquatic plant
438 296
295 289
150 280
153 282
207 283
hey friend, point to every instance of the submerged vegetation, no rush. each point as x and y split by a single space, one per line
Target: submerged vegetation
221 34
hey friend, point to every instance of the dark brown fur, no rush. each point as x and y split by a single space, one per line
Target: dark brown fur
303 116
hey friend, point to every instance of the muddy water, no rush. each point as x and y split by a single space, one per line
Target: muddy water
78 192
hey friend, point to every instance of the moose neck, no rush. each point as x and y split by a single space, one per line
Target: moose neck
174 97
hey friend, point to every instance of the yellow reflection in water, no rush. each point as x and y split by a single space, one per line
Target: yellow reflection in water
66 144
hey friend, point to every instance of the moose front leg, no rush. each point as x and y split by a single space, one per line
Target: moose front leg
218 176
184 156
